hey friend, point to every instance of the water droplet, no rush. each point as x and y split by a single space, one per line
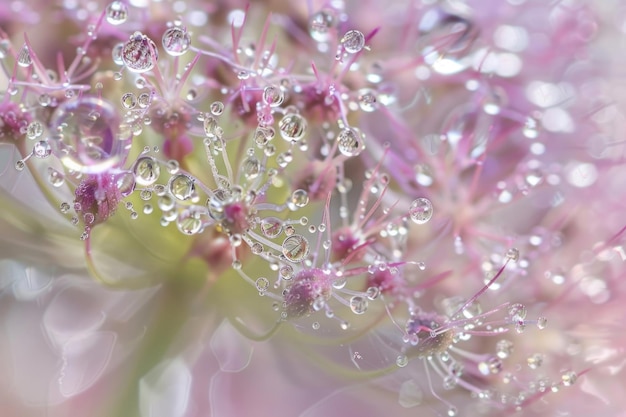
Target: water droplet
353 41
315 325
286 272
421 210
189 222
402 361
262 284
217 108
517 312
295 248
251 167
321 25
350 142
42 149
367 100
273 95
23 58
182 187
504 349
493 365
65 208
55 178
89 136
116 13
535 361
143 100
542 323
358 304
373 293
271 227
34 130
292 127
569 378
146 170
452 411
299 199
176 41
139 53
129 101
513 254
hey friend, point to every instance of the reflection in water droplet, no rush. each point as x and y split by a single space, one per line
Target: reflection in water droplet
116 13
89 137
176 41
295 248
421 210
138 53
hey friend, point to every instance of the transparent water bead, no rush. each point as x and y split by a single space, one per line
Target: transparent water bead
358 304
139 53
262 284
23 58
350 142
116 13
321 25
295 248
273 95
271 227
292 127
189 222
182 187
176 41
42 149
353 41
421 210
88 135
146 170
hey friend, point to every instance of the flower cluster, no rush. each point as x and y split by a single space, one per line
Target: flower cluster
421 196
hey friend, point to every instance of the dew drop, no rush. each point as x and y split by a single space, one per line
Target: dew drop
513 254
146 170
299 198
129 101
65 208
189 222
182 187
321 25
273 95
256 248
271 227
421 210
116 13
292 127
34 130
217 108
176 41
315 325
535 361
42 149
504 349
286 272
542 323
402 361
89 138
251 167
350 142
23 58
55 178
367 100
353 41
358 304
139 53
295 248
569 378
262 284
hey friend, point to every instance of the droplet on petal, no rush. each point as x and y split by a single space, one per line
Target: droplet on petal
421 210
139 53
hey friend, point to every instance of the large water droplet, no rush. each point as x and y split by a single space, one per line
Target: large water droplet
271 227
138 53
146 170
182 187
350 142
321 24
358 304
116 13
353 41
89 136
176 41
421 210
292 127
273 95
23 58
295 248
